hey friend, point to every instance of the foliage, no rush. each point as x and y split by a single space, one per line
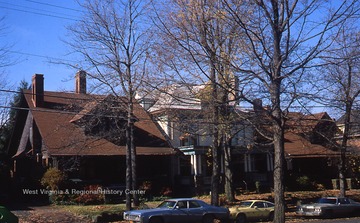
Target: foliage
91 195
304 183
8 116
166 191
53 179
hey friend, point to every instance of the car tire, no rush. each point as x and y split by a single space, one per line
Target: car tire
208 219
271 216
241 218
156 220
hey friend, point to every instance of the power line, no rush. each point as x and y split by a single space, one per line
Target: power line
53 15
56 6
41 56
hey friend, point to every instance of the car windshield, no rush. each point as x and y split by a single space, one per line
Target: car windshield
327 201
245 203
167 204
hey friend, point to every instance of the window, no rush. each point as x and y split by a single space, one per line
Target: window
194 204
181 204
188 140
259 205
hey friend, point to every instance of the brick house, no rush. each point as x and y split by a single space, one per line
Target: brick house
76 133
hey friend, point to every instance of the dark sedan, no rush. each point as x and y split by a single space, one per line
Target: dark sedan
179 211
330 207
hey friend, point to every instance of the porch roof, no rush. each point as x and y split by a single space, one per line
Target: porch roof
297 146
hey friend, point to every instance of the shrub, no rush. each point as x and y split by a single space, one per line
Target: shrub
304 182
53 179
91 195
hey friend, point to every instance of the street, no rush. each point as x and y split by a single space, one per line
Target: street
337 220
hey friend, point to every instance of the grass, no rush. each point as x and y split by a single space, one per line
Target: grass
92 211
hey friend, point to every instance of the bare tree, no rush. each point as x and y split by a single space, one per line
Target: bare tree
5 95
339 88
284 38
113 40
198 46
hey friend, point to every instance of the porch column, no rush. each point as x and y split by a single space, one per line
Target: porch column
193 163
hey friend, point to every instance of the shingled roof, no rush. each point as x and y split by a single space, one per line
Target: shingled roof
61 136
300 131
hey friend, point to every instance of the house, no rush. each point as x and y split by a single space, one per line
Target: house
182 115
84 135
353 145
310 148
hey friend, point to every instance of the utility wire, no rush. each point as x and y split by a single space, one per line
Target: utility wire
56 6
38 13
41 56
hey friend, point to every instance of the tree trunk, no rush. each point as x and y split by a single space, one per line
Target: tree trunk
128 166
342 164
215 178
279 156
279 175
229 189
133 153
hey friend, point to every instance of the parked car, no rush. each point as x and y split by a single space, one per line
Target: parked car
330 207
252 210
179 211
6 216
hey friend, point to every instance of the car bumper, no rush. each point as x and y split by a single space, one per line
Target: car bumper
303 213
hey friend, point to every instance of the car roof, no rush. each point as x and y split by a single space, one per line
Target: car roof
181 199
256 201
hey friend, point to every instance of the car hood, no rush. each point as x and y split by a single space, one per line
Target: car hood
143 211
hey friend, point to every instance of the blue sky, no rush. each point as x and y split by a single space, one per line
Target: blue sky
35 28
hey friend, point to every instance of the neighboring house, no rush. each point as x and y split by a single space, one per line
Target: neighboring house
354 133
353 144
84 135
182 114
184 117
310 148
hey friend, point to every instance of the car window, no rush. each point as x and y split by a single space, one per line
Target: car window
344 201
245 203
270 205
181 204
327 201
167 204
259 205
194 204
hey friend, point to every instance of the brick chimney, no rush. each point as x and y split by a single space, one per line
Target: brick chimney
38 90
80 82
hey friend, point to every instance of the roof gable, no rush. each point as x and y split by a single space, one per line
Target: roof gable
61 135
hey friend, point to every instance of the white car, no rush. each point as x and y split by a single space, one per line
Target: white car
329 207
